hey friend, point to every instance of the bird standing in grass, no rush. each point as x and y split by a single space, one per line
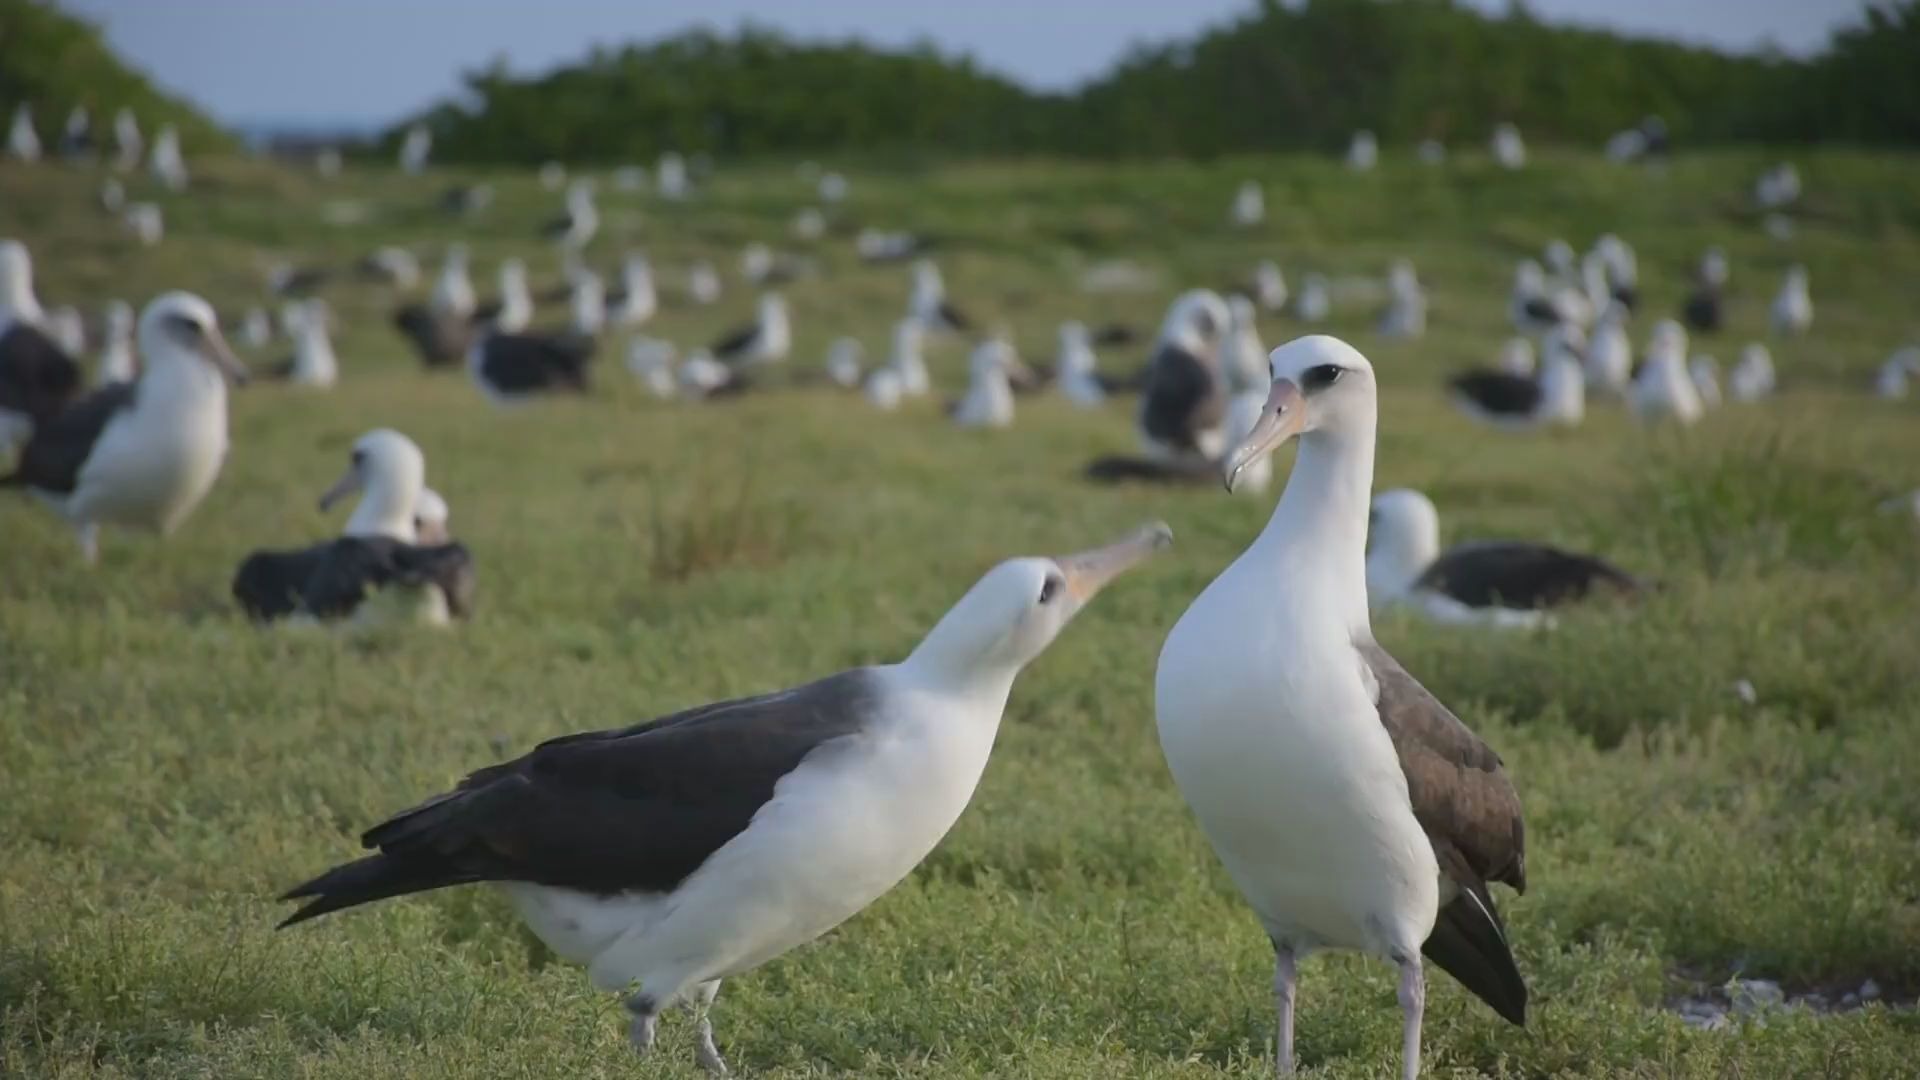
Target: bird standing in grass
683 850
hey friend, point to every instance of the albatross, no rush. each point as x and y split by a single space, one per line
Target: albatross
37 376
1352 809
683 850
1184 400
1557 396
392 563
140 453
1503 583
766 340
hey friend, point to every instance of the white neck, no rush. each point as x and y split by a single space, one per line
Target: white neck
1317 537
386 509
1397 560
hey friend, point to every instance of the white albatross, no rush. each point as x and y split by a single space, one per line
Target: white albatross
140 453
679 851
1352 809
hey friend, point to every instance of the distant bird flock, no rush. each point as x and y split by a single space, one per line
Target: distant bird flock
1351 808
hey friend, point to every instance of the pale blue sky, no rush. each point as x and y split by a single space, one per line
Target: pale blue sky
365 62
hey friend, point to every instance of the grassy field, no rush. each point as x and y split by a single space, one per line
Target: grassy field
165 769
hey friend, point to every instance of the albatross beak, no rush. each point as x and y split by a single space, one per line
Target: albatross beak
1281 419
1089 571
222 357
346 486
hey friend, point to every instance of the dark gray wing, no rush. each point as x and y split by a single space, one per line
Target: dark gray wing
37 377
736 342
1118 469
1702 310
954 317
52 458
1471 814
1498 392
343 572
634 809
528 363
1181 399
269 584
1515 574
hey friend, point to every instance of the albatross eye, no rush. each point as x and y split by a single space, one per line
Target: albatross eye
1051 588
1320 376
186 326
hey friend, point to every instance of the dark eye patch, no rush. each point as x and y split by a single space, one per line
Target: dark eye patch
184 326
1051 588
359 456
1320 376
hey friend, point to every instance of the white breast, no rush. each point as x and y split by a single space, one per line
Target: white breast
1276 745
156 461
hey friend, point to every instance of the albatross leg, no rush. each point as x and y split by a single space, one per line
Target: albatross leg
646 1022
705 1054
1413 1006
1284 969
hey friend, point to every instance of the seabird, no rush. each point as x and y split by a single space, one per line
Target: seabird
574 229
1183 404
1792 311
1557 396
1313 303
1536 310
1269 286
700 845
1663 388
650 361
76 140
441 339
1078 367
1363 151
168 164
701 377
1702 309
391 564
37 377
117 361
883 388
1509 150
670 177
1243 359
1704 372
390 264
635 300
256 328
1777 187
1609 357
313 362
286 279
587 304
905 360
766 340
1406 314
1249 205
68 328
1752 376
552 174
928 301
1890 382
128 146
146 222
113 195
843 362
703 283
885 245
1560 261
833 187
513 311
809 224
1243 411
989 398
1352 809
1621 269
142 453
453 290
23 142
414 149
464 199
511 369
1503 583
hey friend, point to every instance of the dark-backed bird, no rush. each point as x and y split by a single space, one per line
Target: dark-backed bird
393 563
928 302
1556 396
1703 307
766 340
512 369
313 362
1502 583
1352 809
1184 399
37 377
140 454
683 850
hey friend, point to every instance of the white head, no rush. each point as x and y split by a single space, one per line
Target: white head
1402 279
456 261
1668 337
1323 391
1796 278
773 307
1713 267
1196 321
907 335
389 472
430 518
1403 539
178 332
16 281
513 278
926 276
1529 278
1074 337
1559 256
119 321
992 359
1013 613
1240 313
1755 357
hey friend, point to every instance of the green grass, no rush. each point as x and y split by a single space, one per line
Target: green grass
165 770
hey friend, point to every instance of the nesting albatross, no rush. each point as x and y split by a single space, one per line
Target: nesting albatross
1353 810
391 563
37 376
683 850
140 453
